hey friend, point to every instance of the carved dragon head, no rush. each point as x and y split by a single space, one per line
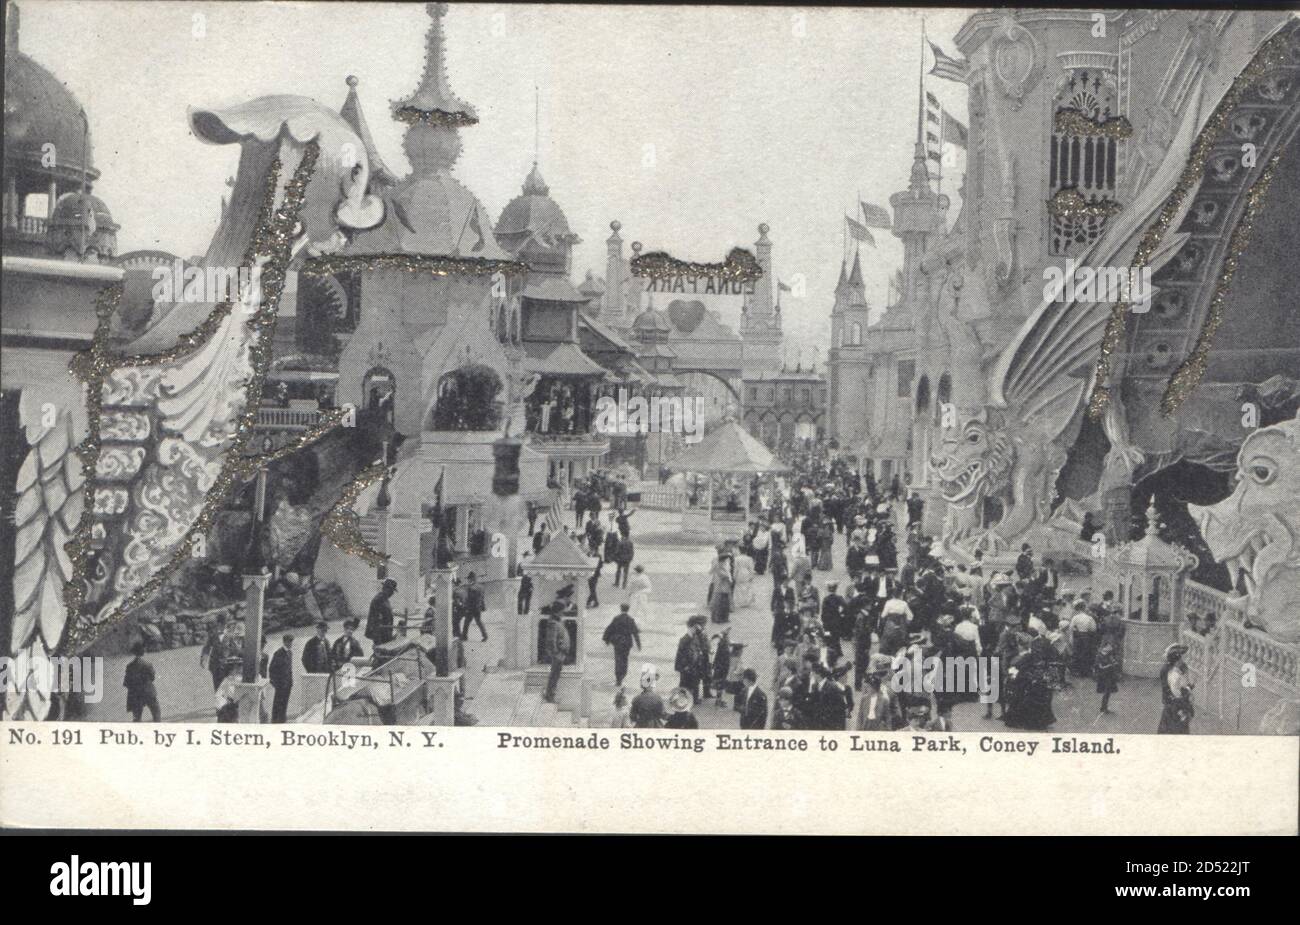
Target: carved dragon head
974 458
1257 527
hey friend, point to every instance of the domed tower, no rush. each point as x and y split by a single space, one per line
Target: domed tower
533 230
423 290
49 166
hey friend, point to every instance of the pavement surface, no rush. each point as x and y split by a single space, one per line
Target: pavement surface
678 568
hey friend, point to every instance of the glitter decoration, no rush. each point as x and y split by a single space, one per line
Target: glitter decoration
1188 375
1068 203
329 420
411 116
431 264
271 244
342 525
1073 122
740 267
1273 53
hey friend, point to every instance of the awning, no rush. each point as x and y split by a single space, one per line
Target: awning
727 448
562 359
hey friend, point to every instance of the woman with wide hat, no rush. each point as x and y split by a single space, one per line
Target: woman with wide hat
680 716
1176 693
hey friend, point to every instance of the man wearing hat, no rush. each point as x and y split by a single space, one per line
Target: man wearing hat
556 647
751 702
473 607
346 648
1025 562
316 653
280 673
833 617
621 633
692 662
379 621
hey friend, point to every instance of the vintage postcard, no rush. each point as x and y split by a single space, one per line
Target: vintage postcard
579 404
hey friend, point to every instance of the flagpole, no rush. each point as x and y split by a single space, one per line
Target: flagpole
920 88
938 189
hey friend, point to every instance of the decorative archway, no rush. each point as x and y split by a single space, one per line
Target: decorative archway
468 398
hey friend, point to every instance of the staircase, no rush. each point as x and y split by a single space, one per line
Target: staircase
502 701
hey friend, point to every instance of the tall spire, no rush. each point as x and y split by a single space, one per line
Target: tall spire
354 117
433 101
919 183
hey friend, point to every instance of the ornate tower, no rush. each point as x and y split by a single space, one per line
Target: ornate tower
613 307
760 324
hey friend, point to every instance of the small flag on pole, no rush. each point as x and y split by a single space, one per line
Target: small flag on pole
782 287
874 216
946 67
555 516
954 133
858 231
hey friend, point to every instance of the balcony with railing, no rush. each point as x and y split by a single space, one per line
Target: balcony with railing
290 418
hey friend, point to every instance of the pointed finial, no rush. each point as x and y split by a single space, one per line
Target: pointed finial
433 101
1153 521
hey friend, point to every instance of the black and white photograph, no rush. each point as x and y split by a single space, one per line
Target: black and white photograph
917 385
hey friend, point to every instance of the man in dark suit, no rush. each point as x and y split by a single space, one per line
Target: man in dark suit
316 653
752 702
280 673
474 607
830 705
379 621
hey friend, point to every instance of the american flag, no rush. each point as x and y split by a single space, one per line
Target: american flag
946 67
555 516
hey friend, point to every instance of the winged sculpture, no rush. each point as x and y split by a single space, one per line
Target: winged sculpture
171 404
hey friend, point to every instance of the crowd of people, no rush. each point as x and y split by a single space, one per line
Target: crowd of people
905 602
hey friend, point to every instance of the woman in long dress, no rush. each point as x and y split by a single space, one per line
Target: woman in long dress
1175 693
638 593
721 581
742 594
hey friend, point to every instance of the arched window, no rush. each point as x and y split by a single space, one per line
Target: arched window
468 399
856 334
923 396
502 331
379 391
943 396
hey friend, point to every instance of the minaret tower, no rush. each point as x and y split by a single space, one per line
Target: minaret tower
614 305
760 326
918 211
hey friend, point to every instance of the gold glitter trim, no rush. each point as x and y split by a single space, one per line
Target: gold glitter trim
434 265
1188 375
273 239
1272 54
740 266
342 525
1068 203
1073 122
330 419
412 115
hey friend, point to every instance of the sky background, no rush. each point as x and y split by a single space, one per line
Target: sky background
755 115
